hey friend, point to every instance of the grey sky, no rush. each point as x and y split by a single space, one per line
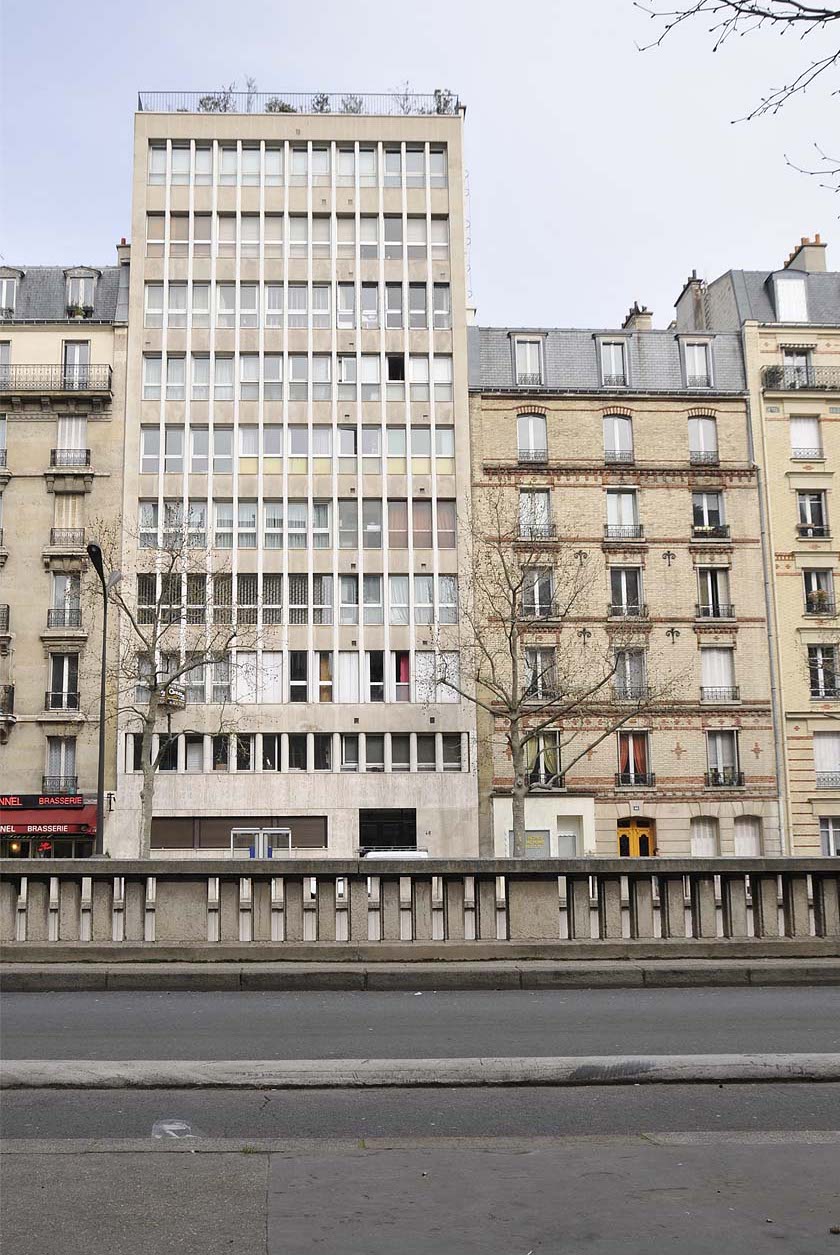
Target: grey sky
598 175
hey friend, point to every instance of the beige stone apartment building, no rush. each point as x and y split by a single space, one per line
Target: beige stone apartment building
789 320
297 395
62 371
627 453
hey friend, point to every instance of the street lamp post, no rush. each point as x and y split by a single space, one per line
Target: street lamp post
95 555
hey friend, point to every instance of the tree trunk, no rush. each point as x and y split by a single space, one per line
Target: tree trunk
147 793
520 790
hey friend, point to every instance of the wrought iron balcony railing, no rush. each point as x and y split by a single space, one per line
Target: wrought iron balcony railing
703 457
631 691
3 457
722 610
70 458
724 778
537 609
720 693
635 779
529 378
627 610
64 617
7 699
615 381
624 531
386 104
710 531
546 779
32 378
825 692
1 537
625 457
537 457
67 537
820 603
792 377
828 779
537 531
4 618
812 531
807 455
58 699
542 691
59 784
698 381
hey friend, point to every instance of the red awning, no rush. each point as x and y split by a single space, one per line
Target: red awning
47 823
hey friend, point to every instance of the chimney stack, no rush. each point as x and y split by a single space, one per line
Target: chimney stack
809 255
639 318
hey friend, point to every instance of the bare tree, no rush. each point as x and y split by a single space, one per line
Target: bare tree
797 19
532 656
175 630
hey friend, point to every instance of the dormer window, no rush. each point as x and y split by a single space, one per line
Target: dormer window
697 371
791 297
613 364
80 291
528 356
8 297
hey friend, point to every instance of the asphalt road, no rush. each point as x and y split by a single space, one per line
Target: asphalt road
428 1025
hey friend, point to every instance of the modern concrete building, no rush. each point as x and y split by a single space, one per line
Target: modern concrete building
789 320
62 373
626 453
297 391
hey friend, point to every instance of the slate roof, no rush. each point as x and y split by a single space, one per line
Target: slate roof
42 293
753 293
571 360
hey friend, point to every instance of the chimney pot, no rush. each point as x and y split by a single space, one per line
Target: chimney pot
808 256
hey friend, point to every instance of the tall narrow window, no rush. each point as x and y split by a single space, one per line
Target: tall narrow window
618 438
613 363
702 442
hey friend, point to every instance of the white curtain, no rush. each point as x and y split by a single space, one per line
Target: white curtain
704 837
747 836
272 676
702 435
72 432
717 668
826 752
621 509
804 433
195 754
348 676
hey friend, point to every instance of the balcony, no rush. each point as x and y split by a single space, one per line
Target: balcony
391 104
23 380
629 610
619 457
720 693
4 619
7 700
537 531
704 457
807 455
3 457
58 699
698 381
631 691
719 611
624 531
820 603
813 531
542 692
635 779
828 779
615 381
528 379
72 538
537 610
789 378
825 693
710 531
532 457
59 784
724 778
64 617
70 459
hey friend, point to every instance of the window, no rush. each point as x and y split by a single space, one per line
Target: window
395 377
447 599
272 614
717 675
148 520
375 751
626 592
64 682
532 438
61 765
346 237
175 378
791 297
202 234
542 757
372 597
247 600
535 514
705 837
630 681
421 450
540 677
349 750
443 378
223 450
246 525
437 167
446 522
248 307
173 450
325 675
370 305
367 167
618 438
200 310
371 450
622 516
223 593
819 591
398 598
296 524
442 307
713 585
249 376
348 676
830 835
398 524
369 377
707 519
375 673
154 304
298 683
528 359
346 167
149 450
298 377
80 290
426 751
418 377
796 368
813 519
321 237
747 841
348 609
393 305
613 363
323 751
400 751
697 373
321 514
633 759
273 236
722 758
348 524
322 599
223 380
827 759
372 523
298 305
223 524
393 167
393 238
157 164
155 228
702 442
200 390
418 313
823 671
445 450
297 751
345 310
451 751
298 599
537 597
274 305
421 523
152 367
400 675
805 439
347 377
440 239
203 171
298 236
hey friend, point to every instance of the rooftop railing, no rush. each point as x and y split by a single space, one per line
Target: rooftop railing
384 104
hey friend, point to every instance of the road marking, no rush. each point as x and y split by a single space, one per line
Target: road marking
172 1128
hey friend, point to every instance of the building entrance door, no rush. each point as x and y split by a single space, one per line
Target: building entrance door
636 838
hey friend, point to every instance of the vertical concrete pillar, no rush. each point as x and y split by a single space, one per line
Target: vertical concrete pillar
733 893
826 904
609 907
453 888
795 902
641 906
358 908
578 908
672 906
765 899
487 908
703 912
326 908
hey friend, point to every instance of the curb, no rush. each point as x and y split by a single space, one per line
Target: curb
417 1073
414 976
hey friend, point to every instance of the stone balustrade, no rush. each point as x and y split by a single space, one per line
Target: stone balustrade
158 904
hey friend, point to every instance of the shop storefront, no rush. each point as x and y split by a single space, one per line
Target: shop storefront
36 825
